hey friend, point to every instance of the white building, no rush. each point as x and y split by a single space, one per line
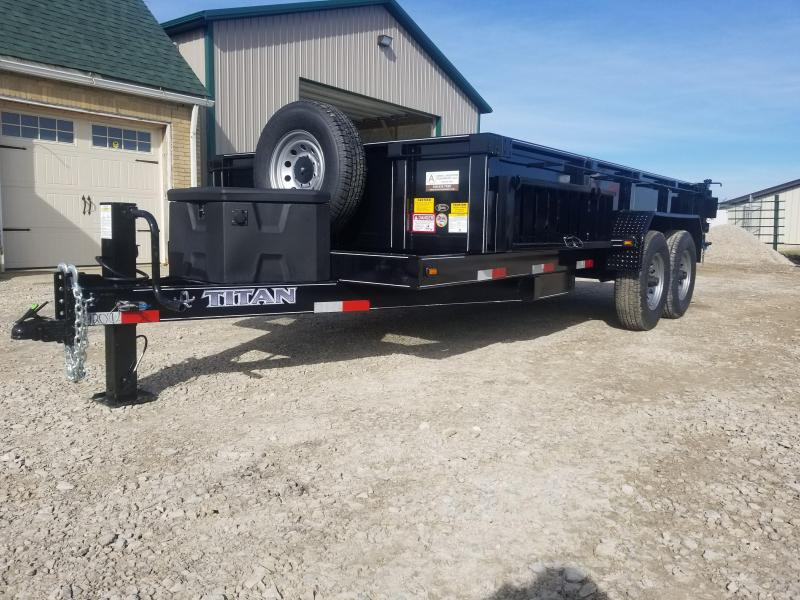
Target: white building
757 214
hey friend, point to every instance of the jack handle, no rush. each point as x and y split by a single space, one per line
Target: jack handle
155 259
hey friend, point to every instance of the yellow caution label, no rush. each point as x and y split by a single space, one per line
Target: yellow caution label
423 206
459 208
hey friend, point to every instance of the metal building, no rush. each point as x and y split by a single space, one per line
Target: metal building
765 213
367 57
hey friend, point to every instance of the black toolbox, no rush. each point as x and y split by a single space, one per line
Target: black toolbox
249 236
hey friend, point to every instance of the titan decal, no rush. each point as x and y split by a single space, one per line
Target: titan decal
250 297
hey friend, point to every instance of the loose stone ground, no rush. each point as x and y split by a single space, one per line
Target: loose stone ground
484 452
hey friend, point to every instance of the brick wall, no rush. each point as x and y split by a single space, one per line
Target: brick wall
66 95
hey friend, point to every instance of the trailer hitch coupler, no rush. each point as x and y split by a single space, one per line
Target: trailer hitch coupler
30 326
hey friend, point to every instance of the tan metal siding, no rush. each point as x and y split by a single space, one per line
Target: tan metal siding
191 45
791 202
258 62
757 216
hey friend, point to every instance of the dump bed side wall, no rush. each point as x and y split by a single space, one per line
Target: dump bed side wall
487 193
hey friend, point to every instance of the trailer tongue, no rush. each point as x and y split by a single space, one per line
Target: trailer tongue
467 219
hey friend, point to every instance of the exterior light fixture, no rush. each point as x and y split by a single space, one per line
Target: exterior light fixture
385 41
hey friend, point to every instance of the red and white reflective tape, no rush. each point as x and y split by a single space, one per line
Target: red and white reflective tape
543 268
133 317
585 264
140 316
341 306
487 274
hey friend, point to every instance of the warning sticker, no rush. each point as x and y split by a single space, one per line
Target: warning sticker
105 222
423 205
441 220
441 181
458 224
459 209
423 223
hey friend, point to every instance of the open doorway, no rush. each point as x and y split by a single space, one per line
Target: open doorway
376 120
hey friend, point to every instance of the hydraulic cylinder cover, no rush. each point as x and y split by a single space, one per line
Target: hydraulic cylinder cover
249 236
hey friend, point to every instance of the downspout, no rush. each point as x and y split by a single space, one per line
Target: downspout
211 118
193 147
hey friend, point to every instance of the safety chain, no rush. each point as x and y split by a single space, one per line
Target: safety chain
75 354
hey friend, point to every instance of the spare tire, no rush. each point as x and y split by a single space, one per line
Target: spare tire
312 145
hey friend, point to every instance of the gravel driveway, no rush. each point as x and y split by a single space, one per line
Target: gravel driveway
484 452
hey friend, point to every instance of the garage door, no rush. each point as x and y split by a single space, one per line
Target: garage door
376 120
55 170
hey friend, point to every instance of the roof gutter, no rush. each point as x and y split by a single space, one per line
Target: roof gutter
80 78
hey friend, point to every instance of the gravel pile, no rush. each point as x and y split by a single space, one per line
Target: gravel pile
732 245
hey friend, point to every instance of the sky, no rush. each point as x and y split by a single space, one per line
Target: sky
703 89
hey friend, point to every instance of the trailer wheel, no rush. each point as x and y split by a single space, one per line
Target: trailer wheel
683 267
640 296
313 145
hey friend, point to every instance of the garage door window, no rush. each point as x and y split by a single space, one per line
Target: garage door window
34 127
117 138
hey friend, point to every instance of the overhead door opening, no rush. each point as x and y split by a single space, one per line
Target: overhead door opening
376 120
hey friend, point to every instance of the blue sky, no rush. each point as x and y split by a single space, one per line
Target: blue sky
694 90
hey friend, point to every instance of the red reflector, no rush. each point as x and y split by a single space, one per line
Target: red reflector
140 316
588 263
549 267
355 305
499 273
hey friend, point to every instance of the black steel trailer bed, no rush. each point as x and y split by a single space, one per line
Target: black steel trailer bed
478 218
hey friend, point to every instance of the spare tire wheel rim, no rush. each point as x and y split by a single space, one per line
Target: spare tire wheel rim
297 162
655 281
684 274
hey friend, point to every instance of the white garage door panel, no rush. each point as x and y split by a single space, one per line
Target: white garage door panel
54 190
137 177
72 247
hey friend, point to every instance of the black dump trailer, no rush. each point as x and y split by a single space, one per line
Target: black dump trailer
316 222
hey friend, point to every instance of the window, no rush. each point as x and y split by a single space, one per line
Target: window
117 138
34 127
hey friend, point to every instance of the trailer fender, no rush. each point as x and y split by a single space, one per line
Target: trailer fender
634 225
627 237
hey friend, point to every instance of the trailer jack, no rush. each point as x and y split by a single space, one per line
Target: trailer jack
119 253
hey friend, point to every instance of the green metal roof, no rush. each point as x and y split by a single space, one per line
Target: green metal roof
199 19
117 39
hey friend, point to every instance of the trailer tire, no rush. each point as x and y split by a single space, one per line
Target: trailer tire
640 296
313 145
683 271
